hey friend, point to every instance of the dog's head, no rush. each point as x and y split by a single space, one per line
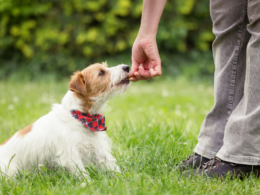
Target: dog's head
97 83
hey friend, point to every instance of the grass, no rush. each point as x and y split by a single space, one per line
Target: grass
153 126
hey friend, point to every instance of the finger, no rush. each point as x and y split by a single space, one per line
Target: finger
131 74
145 73
155 72
133 78
139 77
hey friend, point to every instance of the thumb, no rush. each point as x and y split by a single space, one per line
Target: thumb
134 68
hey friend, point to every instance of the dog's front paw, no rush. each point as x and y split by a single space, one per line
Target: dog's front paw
83 176
112 167
86 177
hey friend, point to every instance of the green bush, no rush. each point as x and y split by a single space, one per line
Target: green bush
64 35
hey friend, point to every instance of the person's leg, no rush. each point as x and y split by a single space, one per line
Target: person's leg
242 133
229 50
240 153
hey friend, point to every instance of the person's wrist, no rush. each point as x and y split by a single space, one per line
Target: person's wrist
144 34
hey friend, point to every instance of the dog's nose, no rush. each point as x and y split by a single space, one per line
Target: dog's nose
126 68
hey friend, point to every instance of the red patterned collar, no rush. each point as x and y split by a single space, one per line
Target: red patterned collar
95 122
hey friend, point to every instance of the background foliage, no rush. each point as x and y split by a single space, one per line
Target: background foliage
64 35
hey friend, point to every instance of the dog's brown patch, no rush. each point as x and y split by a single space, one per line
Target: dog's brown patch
6 141
90 82
24 131
21 133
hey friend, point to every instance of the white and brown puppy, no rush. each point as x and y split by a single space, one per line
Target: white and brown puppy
58 138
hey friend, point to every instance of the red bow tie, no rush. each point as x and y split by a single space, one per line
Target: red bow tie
95 122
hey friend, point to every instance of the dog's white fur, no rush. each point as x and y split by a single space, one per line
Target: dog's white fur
58 139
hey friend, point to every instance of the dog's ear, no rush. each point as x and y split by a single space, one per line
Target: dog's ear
105 64
77 83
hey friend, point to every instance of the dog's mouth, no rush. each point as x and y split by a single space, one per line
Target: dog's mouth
125 81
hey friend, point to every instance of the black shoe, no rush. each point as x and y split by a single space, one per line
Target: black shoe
219 168
193 161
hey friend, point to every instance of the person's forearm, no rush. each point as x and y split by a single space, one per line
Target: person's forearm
152 11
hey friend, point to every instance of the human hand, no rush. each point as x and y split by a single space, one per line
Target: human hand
146 62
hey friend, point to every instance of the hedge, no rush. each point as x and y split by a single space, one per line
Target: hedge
54 35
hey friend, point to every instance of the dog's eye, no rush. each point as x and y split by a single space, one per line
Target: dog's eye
102 72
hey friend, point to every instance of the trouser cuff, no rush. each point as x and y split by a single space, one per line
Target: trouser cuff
204 152
244 160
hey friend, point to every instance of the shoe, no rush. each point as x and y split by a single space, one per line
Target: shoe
220 169
193 161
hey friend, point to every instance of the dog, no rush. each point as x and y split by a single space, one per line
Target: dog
72 135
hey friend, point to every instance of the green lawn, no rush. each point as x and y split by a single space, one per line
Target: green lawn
153 126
